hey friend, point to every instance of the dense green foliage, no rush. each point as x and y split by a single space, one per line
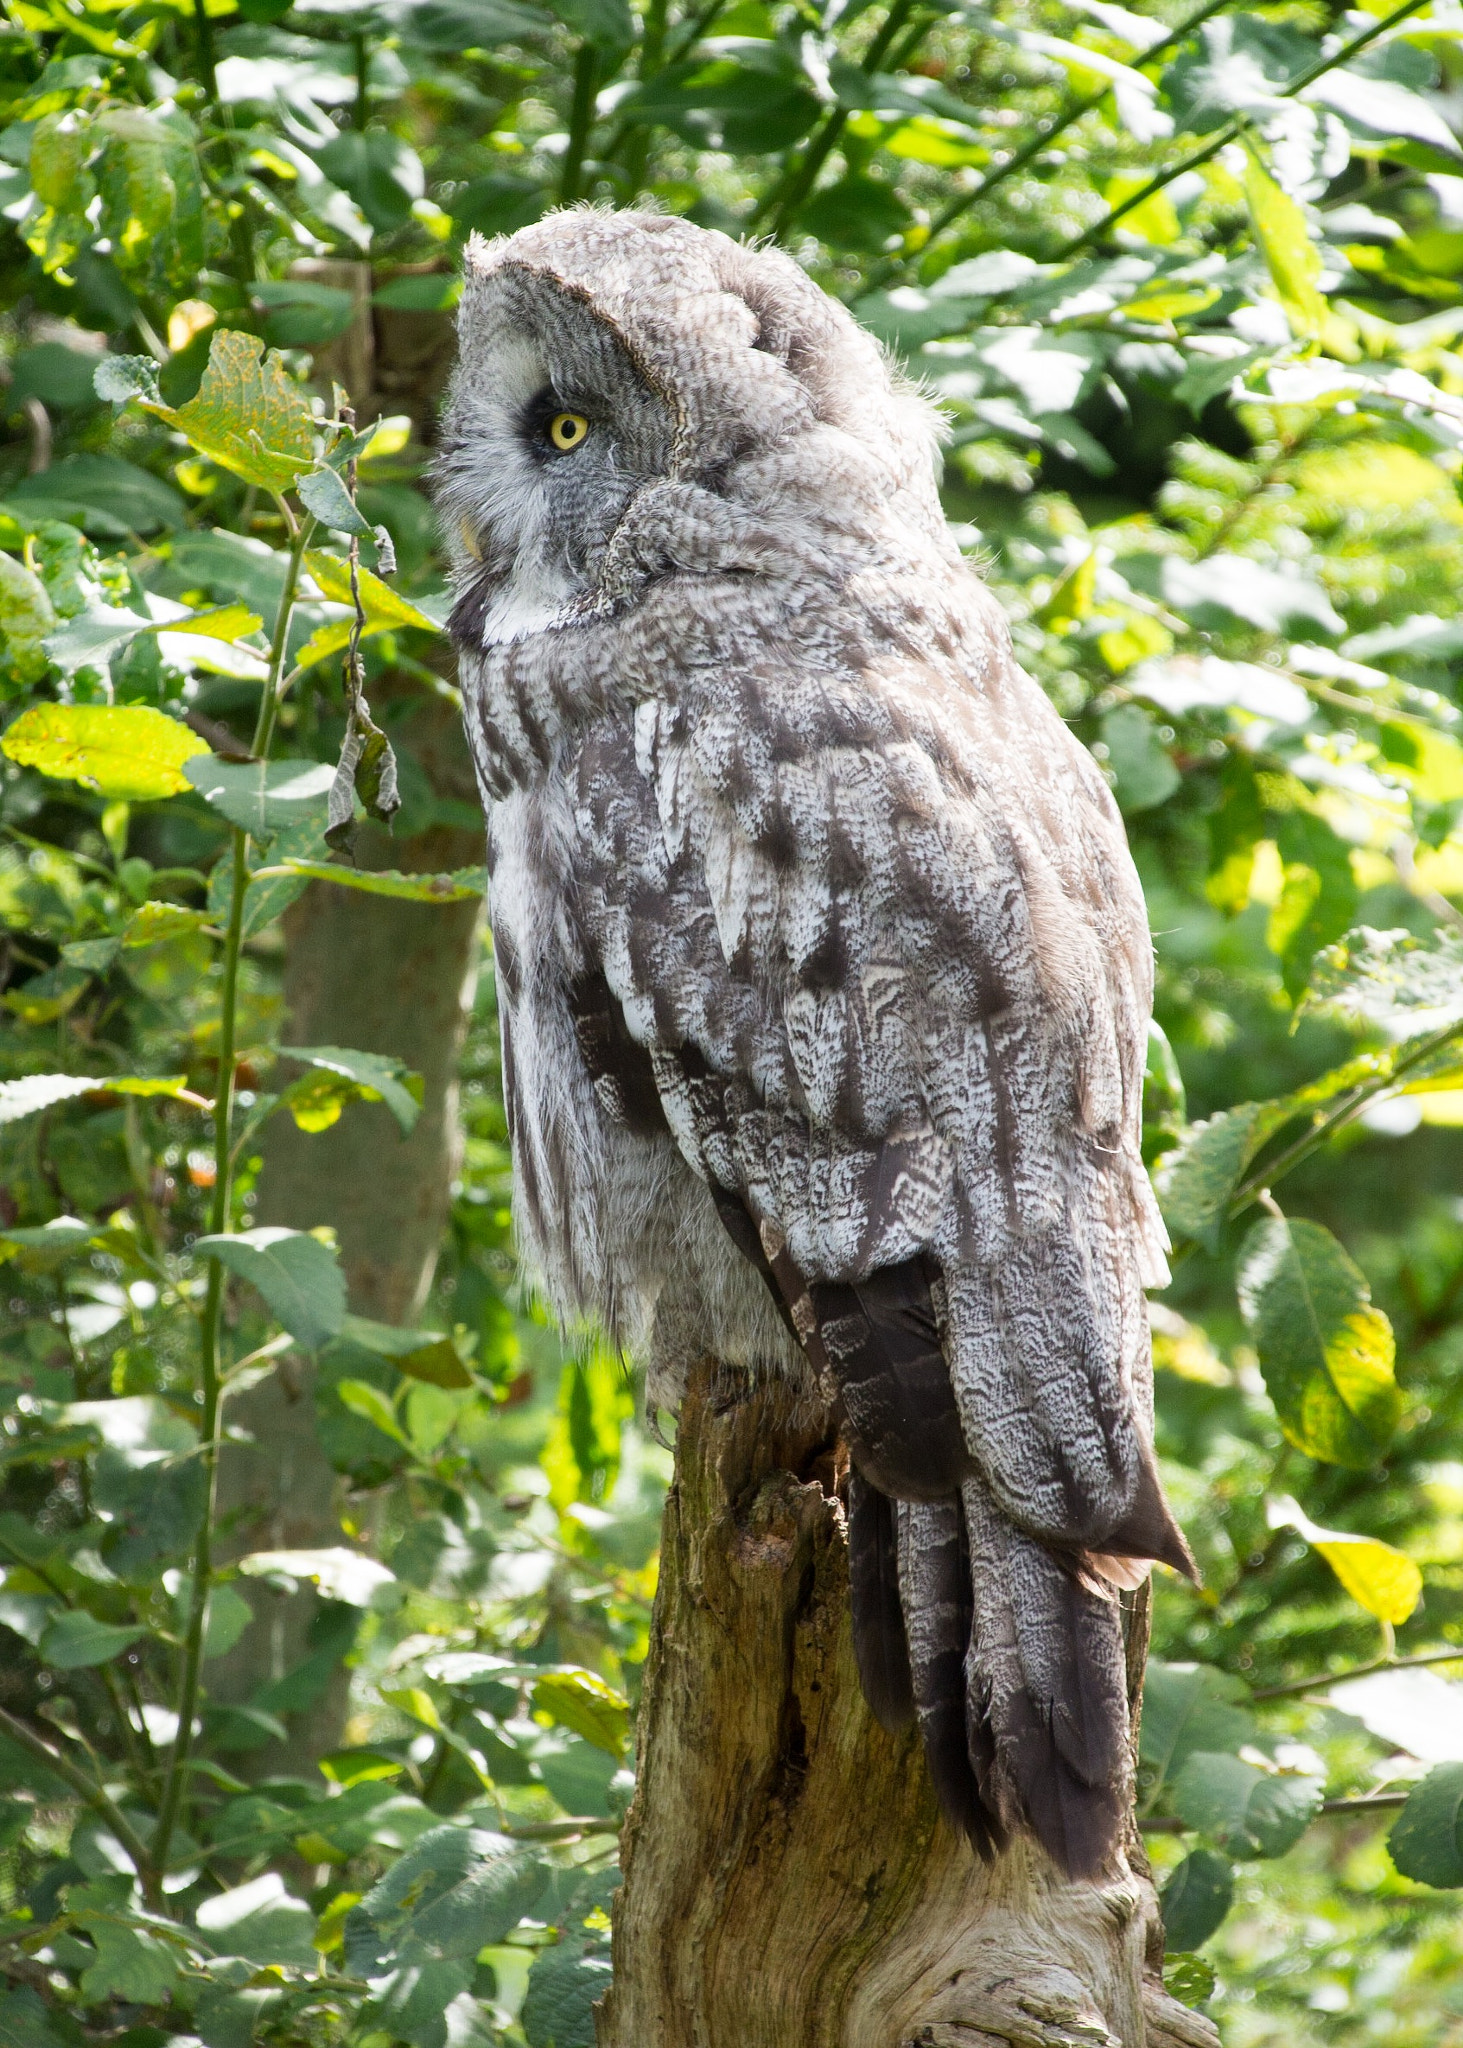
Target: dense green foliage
1189 292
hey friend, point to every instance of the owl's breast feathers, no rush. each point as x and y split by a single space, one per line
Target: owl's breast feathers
857 922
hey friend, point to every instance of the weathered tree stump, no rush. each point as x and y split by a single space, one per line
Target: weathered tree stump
788 1880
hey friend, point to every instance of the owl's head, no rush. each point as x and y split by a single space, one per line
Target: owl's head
604 353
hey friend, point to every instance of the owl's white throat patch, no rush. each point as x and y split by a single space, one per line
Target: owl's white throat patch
533 598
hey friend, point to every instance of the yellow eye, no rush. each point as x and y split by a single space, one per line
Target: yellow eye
567 430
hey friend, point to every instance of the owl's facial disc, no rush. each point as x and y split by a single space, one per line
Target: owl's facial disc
550 431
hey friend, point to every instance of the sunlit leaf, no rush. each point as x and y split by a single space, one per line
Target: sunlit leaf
340 1574
585 1704
298 1276
1293 260
1325 1351
123 751
376 1076
247 415
1383 1580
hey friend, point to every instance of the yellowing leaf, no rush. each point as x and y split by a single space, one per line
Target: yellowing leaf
1154 218
1293 260
412 1700
384 608
1382 1580
228 622
122 750
247 415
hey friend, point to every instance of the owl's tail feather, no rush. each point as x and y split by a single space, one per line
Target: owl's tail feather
879 1644
1046 1675
936 1595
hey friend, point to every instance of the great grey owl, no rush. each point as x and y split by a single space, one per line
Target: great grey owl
823 966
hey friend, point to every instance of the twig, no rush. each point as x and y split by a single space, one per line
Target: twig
1319 1680
99 1801
1233 129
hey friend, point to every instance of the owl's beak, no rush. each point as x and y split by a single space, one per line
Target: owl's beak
469 541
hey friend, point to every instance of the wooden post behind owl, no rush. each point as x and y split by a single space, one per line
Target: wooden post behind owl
823 969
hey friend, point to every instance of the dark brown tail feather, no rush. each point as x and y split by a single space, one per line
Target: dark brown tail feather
879 1644
1046 1669
935 1593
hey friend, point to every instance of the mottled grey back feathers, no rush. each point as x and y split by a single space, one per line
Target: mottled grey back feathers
827 974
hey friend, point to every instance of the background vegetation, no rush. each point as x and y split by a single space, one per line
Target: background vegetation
1189 289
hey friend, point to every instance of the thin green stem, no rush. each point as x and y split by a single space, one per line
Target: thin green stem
1349 1107
207 74
1233 129
148 1861
209 1433
1319 1679
210 1378
797 181
581 120
273 688
360 112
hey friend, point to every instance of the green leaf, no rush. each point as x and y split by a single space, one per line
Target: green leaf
261 1922
1189 1707
583 1703
454 1892
340 1574
1426 1841
362 1399
421 1354
40 1091
1292 258
381 173
229 1614
262 797
608 24
412 2004
376 1076
151 924
119 378
462 25
26 618
563 1985
1195 1900
385 609
1196 1181
1383 1580
1189 1979
1143 772
248 416
110 498
123 751
323 493
304 315
299 1277
25 2022
1247 1811
132 1963
1325 1351
74 1640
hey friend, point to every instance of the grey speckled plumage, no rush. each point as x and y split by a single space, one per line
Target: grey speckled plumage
823 965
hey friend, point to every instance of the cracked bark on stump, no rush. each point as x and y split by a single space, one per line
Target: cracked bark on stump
788 1881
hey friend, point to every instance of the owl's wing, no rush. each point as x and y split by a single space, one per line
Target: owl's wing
881 935
875 921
